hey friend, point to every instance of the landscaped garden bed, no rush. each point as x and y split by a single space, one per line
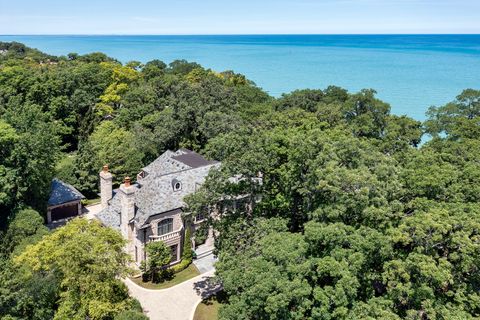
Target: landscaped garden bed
189 272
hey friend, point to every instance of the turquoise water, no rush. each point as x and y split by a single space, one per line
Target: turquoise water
411 72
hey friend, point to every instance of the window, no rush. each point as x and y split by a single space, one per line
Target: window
174 249
165 226
200 216
177 185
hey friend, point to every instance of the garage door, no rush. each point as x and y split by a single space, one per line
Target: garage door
64 212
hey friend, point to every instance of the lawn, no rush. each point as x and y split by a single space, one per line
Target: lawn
87 202
208 309
190 272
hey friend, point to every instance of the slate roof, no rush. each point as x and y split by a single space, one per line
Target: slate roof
193 160
182 159
155 193
110 216
62 192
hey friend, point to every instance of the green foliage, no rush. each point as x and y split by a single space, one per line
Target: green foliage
377 227
88 259
26 227
158 257
337 211
457 119
116 147
65 168
201 234
25 296
180 266
187 246
131 315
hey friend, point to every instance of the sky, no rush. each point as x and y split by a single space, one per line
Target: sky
238 17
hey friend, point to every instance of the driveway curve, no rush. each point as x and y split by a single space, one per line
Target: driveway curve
175 303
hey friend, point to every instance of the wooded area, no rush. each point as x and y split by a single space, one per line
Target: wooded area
354 218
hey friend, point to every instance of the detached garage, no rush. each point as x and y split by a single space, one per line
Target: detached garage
64 201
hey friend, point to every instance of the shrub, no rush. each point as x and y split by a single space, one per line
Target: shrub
181 266
131 315
201 235
187 246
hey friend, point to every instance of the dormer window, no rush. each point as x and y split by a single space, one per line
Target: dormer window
176 185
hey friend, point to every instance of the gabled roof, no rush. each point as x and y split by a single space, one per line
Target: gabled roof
62 193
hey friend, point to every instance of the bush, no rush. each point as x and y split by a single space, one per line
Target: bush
131 315
181 266
135 305
201 235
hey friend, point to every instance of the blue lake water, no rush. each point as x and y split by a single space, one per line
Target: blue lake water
411 72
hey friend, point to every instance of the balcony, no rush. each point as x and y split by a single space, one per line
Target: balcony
175 235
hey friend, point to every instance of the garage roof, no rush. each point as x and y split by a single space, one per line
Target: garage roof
62 192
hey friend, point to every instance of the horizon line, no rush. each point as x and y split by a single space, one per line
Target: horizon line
230 34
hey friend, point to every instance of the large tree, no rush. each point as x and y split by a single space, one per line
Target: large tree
88 259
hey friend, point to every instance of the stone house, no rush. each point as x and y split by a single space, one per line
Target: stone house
151 209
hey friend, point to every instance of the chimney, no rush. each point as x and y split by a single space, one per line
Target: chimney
105 186
127 202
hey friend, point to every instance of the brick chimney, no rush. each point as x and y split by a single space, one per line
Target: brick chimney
127 194
105 186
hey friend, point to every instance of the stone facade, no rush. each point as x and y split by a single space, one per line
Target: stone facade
106 180
151 209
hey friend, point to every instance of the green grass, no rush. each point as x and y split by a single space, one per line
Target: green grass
208 309
188 273
87 202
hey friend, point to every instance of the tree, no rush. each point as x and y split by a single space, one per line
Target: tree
26 227
89 260
366 114
158 256
457 119
114 146
24 296
8 138
187 246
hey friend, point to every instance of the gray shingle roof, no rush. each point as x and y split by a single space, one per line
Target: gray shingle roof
110 216
62 192
155 192
193 160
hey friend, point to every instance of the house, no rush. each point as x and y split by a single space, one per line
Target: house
64 202
151 209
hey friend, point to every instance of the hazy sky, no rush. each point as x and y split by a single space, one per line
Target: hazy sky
238 17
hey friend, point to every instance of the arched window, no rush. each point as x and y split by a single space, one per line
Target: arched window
165 226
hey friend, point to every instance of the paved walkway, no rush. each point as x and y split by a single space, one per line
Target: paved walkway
205 259
175 303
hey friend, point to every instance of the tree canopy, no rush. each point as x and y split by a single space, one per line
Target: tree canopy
330 206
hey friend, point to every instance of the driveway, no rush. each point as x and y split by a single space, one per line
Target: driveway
175 303
205 259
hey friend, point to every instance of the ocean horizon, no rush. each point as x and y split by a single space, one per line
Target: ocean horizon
411 72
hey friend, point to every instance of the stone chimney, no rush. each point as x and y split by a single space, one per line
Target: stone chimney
127 213
105 186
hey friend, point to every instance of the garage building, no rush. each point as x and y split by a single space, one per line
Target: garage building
64 202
